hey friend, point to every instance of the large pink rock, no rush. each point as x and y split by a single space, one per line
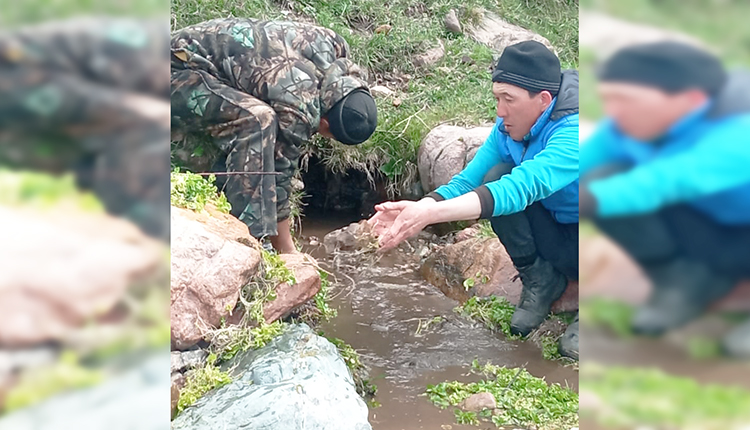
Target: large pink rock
288 296
445 151
60 269
213 257
486 261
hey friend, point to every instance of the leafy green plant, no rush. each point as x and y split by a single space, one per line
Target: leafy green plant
522 399
495 312
322 298
65 374
200 381
651 397
191 191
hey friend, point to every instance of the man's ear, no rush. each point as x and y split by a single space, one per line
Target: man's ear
546 98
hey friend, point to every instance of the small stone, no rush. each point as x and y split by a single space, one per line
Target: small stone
381 91
479 402
467 60
397 102
451 22
431 57
383 29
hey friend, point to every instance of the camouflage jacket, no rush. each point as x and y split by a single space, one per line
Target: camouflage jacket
299 69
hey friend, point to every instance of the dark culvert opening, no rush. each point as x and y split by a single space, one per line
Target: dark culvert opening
344 195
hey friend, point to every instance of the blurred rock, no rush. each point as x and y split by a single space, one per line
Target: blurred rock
213 256
61 269
132 400
498 34
297 382
445 151
486 261
451 22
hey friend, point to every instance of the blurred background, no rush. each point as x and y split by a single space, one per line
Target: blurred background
84 214
696 376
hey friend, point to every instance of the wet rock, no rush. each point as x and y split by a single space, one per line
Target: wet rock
486 262
498 34
186 360
356 236
343 239
213 256
131 400
381 91
479 402
445 151
431 57
451 22
297 382
288 296
64 268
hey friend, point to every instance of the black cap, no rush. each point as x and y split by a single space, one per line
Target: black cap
669 66
353 119
529 65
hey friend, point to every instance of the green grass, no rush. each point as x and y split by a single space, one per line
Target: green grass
191 191
639 397
34 11
611 314
450 91
523 399
721 24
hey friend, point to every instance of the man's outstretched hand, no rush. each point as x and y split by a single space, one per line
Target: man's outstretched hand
395 222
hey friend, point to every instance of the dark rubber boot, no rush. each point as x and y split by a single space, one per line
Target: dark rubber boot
682 292
542 285
568 346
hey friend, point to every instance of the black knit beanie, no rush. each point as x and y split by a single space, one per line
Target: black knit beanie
529 65
669 66
353 119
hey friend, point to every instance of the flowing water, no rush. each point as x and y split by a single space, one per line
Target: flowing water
382 310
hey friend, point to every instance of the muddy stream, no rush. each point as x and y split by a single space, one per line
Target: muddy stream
379 310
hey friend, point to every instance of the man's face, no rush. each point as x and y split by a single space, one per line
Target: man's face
645 113
518 110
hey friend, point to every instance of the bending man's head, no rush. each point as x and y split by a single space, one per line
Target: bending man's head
352 120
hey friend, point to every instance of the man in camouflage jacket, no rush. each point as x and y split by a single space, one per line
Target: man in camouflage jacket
260 89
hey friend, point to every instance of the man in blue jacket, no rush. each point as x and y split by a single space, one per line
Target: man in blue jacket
533 204
667 176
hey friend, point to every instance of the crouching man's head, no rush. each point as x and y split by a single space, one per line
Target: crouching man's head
525 81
